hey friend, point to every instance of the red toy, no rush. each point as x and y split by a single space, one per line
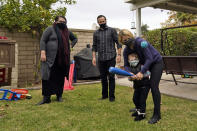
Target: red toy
23 92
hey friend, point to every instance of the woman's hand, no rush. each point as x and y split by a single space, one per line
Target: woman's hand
94 61
43 56
139 76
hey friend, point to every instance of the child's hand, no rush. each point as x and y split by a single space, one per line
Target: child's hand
131 78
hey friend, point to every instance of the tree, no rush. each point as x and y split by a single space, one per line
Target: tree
144 29
180 19
30 15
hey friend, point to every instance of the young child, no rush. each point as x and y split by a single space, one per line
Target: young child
141 87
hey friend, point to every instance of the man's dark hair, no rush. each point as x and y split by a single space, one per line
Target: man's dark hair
101 16
57 18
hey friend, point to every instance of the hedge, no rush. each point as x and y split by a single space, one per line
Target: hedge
177 42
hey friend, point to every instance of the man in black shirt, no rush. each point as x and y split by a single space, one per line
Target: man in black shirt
104 40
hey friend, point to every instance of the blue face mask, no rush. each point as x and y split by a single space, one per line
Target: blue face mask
133 63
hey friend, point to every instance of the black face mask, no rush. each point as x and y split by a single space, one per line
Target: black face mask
102 26
129 42
61 25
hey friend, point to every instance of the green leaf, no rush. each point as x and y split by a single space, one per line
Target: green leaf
34 15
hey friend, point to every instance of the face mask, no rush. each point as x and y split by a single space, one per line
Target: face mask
61 25
133 63
129 42
102 26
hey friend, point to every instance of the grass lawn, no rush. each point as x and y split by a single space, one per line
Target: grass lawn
82 111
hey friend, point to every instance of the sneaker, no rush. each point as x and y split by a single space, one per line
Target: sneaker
134 114
139 117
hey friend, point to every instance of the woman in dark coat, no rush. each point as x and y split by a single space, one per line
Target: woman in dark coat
55 58
151 60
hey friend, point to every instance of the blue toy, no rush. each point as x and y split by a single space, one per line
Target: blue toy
15 96
118 71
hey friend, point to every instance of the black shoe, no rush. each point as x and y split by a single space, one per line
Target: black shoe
59 99
43 102
139 117
134 114
46 100
111 99
154 119
132 110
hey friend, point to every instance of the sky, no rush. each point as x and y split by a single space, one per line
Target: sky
83 14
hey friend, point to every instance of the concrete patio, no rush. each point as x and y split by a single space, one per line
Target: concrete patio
184 90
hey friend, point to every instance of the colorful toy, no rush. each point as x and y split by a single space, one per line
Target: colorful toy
118 71
23 92
186 76
14 96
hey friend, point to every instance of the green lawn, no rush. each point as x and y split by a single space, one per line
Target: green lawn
82 111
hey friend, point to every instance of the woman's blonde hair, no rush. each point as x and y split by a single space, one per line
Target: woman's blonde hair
124 32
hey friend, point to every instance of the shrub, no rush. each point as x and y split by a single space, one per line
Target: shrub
177 42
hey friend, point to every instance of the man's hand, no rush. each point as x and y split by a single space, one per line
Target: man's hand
94 61
139 76
43 56
118 59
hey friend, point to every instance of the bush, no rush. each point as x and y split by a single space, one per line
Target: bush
177 42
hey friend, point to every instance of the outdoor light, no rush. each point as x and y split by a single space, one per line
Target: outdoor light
133 25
